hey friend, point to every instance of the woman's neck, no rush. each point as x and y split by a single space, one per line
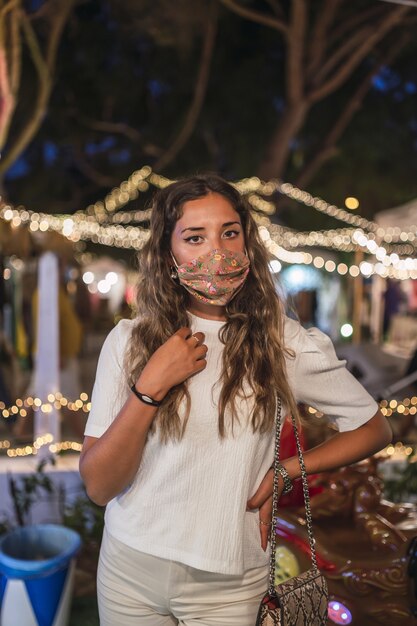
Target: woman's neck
207 311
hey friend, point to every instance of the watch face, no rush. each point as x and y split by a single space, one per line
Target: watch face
143 397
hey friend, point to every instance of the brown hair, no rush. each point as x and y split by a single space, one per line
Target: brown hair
254 352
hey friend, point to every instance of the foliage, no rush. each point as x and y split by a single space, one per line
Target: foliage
84 611
404 484
29 38
86 518
80 514
125 91
5 525
27 489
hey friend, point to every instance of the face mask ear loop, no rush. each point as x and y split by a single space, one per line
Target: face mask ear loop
174 273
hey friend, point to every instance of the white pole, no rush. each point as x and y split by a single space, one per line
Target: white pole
377 307
47 353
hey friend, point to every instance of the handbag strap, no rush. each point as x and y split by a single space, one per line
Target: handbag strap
309 521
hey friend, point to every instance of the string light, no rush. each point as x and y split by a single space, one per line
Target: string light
398 450
399 272
406 406
100 223
389 408
33 449
134 237
370 245
140 180
127 191
57 401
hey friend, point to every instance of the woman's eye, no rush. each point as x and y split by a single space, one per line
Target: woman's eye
231 233
193 239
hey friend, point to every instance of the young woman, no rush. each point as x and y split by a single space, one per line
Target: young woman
180 436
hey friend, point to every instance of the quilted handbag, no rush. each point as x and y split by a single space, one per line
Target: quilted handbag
302 600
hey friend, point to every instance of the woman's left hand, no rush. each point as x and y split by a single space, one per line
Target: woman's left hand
344 448
262 500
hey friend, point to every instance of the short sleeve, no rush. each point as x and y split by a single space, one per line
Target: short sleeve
110 389
322 381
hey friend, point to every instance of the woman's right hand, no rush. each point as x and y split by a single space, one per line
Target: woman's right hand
180 357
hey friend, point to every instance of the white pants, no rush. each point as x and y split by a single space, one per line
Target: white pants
134 588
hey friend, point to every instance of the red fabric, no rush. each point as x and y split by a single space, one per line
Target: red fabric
289 448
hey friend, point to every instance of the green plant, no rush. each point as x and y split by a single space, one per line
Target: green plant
25 491
404 482
4 525
85 517
81 514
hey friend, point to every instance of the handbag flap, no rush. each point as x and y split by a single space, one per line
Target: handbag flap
304 599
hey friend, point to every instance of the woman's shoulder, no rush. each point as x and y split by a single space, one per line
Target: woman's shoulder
124 328
293 332
306 340
121 331
118 338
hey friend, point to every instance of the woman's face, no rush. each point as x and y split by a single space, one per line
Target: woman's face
206 223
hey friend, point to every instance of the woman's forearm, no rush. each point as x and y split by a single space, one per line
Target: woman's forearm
109 464
344 448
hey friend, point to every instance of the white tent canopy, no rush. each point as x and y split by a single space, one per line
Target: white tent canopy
403 216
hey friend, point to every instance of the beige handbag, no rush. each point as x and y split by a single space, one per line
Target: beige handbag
302 600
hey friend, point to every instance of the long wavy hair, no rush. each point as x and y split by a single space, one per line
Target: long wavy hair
254 351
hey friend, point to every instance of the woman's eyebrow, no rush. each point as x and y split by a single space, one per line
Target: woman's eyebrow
194 228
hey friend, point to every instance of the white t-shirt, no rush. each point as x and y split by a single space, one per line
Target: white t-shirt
187 502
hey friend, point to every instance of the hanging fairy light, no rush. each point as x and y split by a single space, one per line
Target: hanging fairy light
101 223
54 400
389 408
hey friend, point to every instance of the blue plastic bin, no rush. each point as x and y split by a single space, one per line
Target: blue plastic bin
36 575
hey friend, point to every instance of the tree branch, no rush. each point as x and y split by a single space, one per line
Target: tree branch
7 76
60 12
45 66
199 91
255 16
295 51
120 128
276 7
344 50
345 71
350 24
90 172
328 148
15 61
319 36
7 100
35 49
9 6
277 153
9 65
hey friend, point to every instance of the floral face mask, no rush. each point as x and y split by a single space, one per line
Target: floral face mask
215 277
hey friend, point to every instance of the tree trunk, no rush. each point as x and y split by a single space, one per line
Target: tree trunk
328 149
277 154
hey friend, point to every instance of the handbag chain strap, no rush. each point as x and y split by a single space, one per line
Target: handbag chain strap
309 519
